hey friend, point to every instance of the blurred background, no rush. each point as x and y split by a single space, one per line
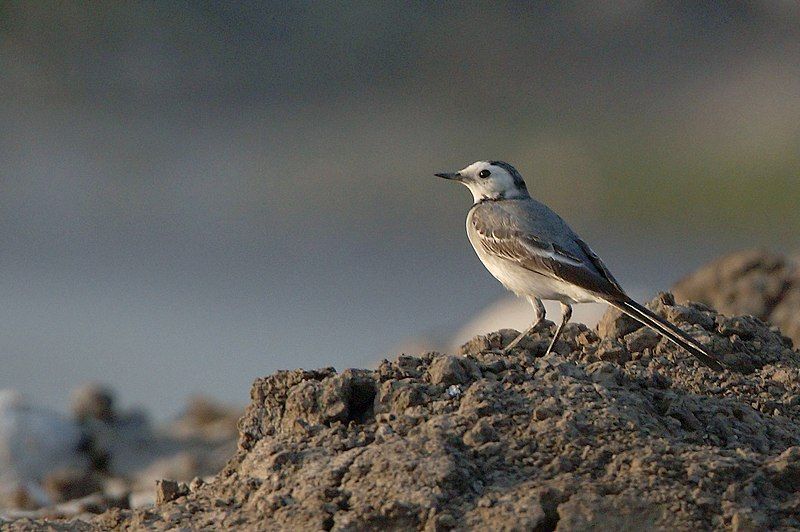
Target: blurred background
195 194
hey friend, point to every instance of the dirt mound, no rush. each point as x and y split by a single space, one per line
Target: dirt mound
755 282
614 429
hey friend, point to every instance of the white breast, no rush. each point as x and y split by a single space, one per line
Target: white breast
524 282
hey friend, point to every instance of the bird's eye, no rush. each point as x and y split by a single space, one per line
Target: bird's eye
484 174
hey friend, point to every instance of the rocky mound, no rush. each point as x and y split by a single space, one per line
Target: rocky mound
755 282
616 429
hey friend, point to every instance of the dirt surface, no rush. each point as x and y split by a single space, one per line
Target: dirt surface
755 282
617 429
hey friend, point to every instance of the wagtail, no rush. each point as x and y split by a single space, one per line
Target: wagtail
536 255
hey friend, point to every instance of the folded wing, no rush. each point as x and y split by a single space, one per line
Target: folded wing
571 261
547 246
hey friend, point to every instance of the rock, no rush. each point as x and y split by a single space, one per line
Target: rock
613 351
493 512
448 370
784 471
208 419
480 344
169 490
752 282
747 522
593 512
21 496
92 401
604 373
396 396
196 484
66 484
493 341
34 443
66 511
641 339
481 433
615 324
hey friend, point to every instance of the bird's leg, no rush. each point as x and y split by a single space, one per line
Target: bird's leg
539 313
566 314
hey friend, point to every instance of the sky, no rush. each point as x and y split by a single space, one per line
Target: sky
196 194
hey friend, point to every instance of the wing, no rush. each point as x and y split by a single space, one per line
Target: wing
502 236
598 264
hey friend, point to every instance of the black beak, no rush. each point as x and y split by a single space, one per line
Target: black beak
450 175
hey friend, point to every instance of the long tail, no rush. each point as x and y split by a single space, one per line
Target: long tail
670 331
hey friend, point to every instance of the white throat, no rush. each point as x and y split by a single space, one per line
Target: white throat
481 193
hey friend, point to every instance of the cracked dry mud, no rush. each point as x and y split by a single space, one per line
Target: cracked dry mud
617 429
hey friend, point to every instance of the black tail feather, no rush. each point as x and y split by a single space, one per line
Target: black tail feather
671 332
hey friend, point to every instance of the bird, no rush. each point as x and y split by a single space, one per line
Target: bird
534 253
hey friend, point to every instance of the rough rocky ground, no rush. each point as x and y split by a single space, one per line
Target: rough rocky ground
755 282
617 429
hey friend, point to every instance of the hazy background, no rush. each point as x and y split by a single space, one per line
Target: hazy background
196 194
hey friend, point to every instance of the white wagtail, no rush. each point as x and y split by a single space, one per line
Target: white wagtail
535 254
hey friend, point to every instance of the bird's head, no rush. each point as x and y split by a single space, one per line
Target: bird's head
491 180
